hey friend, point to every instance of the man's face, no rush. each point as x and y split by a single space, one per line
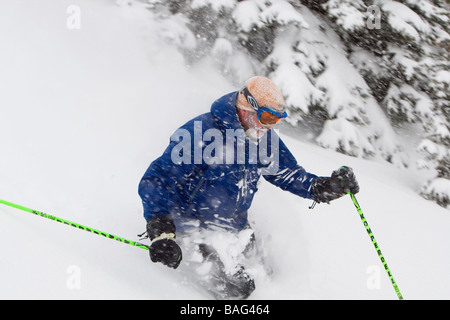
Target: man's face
252 127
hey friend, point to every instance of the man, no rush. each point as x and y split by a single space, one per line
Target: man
204 183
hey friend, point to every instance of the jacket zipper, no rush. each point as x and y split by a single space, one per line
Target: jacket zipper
197 187
243 191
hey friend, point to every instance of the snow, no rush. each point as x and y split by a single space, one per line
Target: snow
246 15
430 10
217 5
411 103
349 16
439 188
285 76
283 13
84 112
289 78
250 14
175 31
341 134
222 47
443 76
403 19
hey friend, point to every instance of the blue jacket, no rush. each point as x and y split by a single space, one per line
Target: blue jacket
196 191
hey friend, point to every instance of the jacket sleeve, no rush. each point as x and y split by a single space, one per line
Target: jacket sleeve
157 187
290 176
155 190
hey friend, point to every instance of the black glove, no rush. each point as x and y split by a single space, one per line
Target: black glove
342 181
164 249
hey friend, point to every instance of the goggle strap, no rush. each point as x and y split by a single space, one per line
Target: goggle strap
250 99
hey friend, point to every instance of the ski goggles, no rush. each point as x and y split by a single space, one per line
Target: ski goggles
266 115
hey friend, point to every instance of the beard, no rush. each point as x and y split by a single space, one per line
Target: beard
255 134
252 128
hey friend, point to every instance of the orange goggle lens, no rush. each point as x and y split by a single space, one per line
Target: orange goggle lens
267 117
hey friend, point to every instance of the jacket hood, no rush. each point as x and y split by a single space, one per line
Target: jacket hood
224 112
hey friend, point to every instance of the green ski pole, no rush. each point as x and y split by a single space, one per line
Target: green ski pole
76 225
383 260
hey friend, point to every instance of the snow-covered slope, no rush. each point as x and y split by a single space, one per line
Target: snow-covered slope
83 113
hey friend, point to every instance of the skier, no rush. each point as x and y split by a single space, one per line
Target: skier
197 193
